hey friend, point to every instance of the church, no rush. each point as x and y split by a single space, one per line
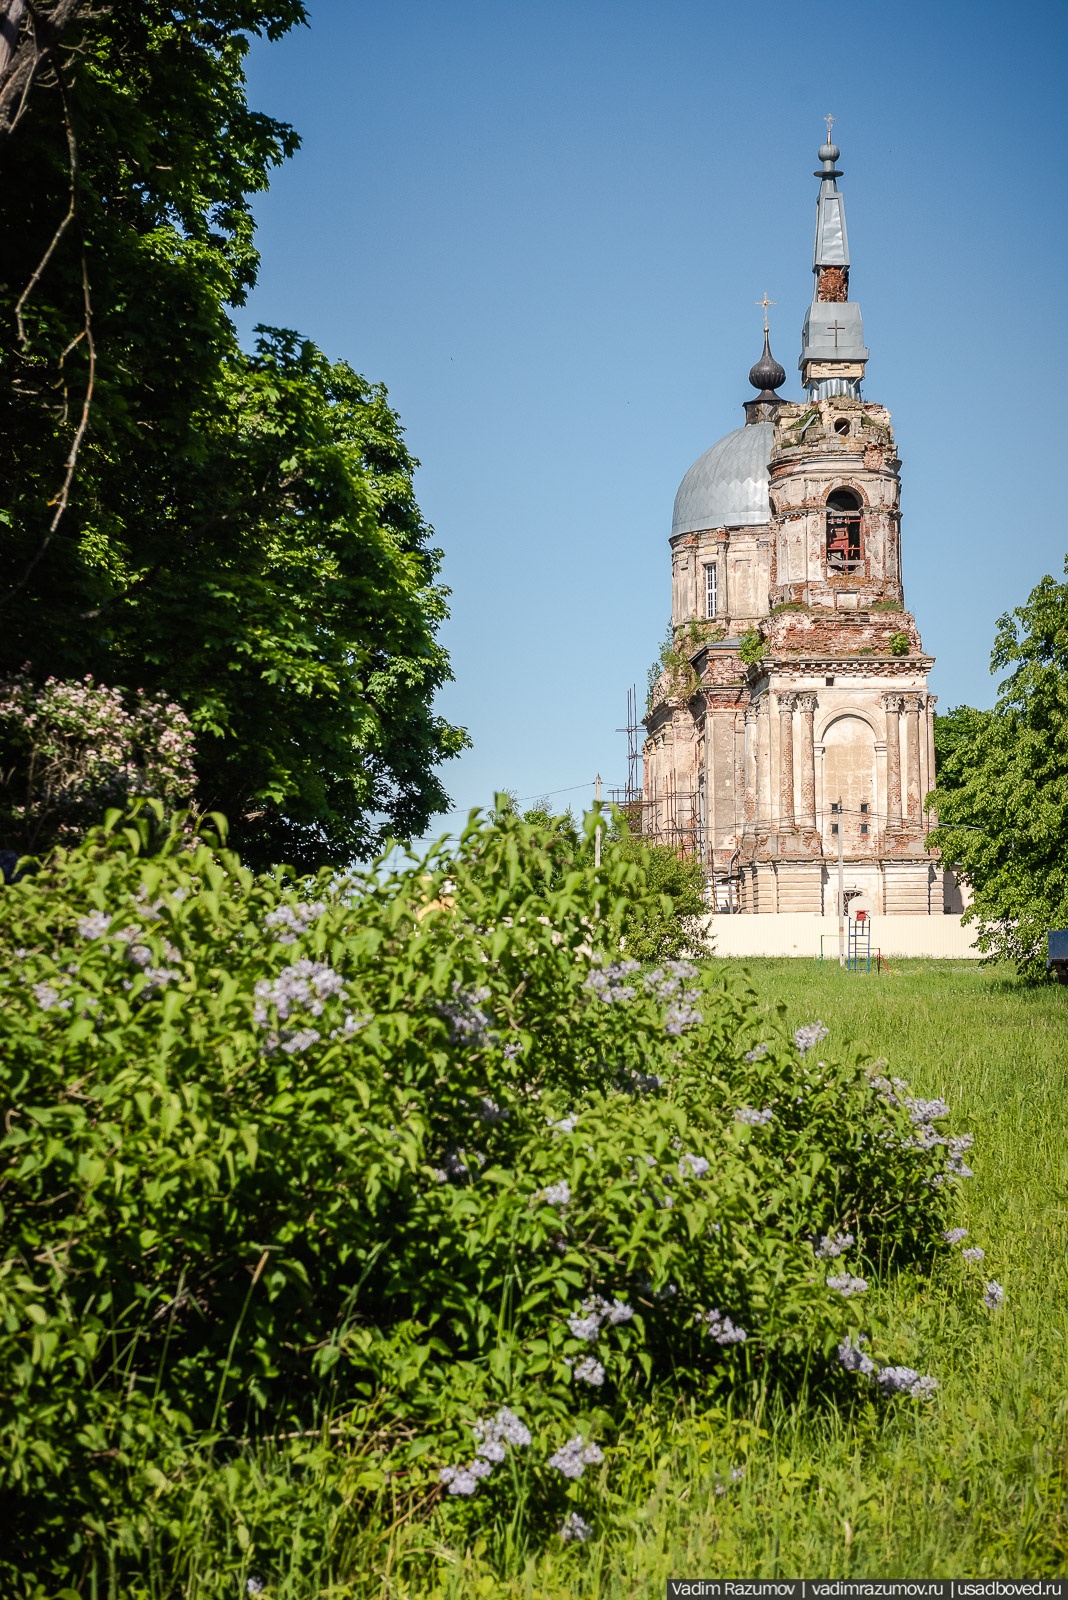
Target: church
791 719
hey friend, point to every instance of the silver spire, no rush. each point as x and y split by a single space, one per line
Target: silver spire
833 355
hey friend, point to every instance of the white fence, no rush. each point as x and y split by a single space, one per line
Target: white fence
797 933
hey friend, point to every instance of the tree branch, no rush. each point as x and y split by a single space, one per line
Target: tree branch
23 57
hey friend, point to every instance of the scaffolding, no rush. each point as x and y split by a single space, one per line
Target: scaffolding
669 815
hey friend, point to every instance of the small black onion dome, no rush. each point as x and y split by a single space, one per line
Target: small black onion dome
767 374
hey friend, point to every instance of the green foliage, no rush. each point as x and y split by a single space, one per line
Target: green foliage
788 605
753 646
886 605
1002 795
673 660
667 926
285 1154
238 532
898 644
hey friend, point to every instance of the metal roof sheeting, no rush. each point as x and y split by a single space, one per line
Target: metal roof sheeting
727 487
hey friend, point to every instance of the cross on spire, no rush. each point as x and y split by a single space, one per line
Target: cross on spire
830 121
765 303
836 328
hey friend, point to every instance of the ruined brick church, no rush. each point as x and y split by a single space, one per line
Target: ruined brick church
794 700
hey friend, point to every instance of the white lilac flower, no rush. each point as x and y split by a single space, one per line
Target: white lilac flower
906 1380
490 1111
722 1328
757 1053
512 1050
955 1235
575 1529
590 1371
692 1166
94 926
575 1456
808 1037
253 1585
973 1254
854 1359
833 1245
587 1327
352 1024
845 1284
619 1311
994 1295
926 1110
678 1018
294 920
681 969
555 1194
48 998
753 1118
158 978
565 1124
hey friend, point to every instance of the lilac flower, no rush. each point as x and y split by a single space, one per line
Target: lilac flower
512 1049
306 985
590 1371
681 969
48 998
575 1528
854 1359
692 1166
955 1235
352 1024
833 1245
565 1124
463 1480
994 1297
94 926
926 1110
490 1111
619 1311
906 1380
505 1428
467 1021
722 1328
752 1117
587 1327
808 1037
678 1018
845 1284
757 1053
973 1254
294 919
253 1585
608 984
575 1456
555 1194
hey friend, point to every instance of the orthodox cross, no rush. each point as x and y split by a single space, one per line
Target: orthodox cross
836 328
830 122
765 303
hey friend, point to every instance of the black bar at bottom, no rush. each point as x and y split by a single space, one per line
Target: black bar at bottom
867 1589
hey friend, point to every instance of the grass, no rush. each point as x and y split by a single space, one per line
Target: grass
976 1483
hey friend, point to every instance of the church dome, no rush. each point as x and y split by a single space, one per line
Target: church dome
727 487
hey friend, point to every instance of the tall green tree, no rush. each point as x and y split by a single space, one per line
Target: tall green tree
1002 795
238 530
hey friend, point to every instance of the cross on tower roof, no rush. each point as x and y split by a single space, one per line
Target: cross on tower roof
765 303
830 121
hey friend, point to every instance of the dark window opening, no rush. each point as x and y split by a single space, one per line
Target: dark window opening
841 425
844 542
864 827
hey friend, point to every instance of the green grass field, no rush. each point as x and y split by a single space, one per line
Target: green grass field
975 1483
972 1484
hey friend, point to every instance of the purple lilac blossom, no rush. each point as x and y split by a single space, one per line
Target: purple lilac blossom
955 1235
845 1284
590 1371
808 1037
753 1118
833 1245
973 1254
994 1295
575 1456
722 1329
575 1529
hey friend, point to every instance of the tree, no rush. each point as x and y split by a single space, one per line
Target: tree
237 531
1002 795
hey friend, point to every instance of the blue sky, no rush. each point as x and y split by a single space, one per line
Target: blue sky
544 226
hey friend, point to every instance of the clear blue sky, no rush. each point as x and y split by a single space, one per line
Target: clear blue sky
543 226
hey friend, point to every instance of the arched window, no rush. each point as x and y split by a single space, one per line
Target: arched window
845 549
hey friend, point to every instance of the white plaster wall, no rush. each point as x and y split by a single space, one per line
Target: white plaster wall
798 934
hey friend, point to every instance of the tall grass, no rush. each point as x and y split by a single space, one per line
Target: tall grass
974 1483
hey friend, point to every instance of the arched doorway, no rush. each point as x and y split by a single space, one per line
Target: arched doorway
849 775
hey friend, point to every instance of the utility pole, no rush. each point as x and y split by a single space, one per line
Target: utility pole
597 830
841 886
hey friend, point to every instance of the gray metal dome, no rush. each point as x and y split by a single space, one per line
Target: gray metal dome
727 487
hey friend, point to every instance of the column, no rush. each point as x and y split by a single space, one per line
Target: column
913 702
892 707
786 762
807 706
932 766
752 734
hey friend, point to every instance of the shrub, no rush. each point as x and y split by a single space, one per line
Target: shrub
415 1153
752 646
71 749
898 644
